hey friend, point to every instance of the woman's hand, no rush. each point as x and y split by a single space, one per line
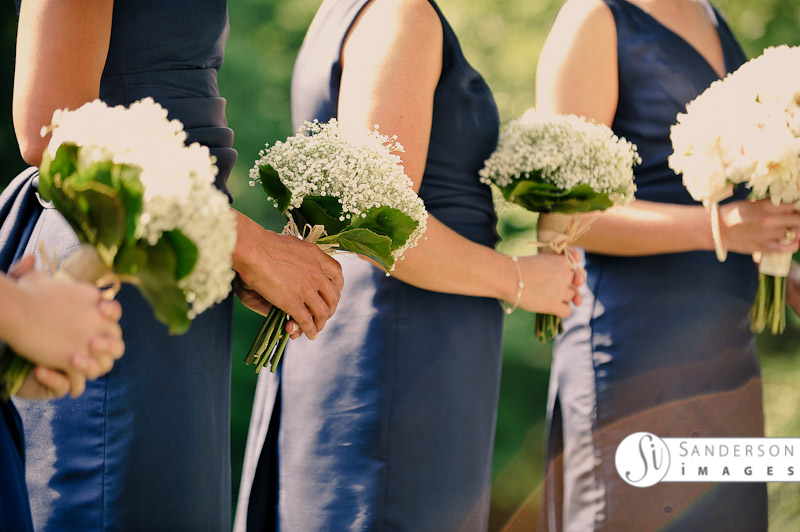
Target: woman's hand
757 226
284 271
551 283
64 326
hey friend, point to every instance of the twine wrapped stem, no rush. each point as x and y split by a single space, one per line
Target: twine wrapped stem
557 232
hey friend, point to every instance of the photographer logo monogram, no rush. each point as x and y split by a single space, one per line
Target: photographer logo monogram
644 459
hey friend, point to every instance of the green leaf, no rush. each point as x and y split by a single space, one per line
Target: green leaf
387 221
185 252
130 260
66 201
131 192
320 210
539 196
105 214
274 187
364 242
159 287
98 173
63 165
96 193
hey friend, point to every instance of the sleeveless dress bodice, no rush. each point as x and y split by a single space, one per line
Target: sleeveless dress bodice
659 73
147 446
386 421
172 53
661 343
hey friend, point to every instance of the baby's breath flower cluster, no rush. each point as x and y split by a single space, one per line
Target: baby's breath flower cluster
565 151
744 129
178 182
361 170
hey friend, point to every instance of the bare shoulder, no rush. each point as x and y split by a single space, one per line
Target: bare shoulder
590 16
406 33
577 70
417 11
584 30
414 19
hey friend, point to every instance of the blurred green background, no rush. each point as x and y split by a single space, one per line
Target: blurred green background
502 39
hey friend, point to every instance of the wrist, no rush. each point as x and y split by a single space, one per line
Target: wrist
508 282
518 286
702 229
244 251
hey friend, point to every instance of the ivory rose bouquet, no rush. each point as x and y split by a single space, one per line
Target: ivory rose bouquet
344 192
561 164
143 205
745 130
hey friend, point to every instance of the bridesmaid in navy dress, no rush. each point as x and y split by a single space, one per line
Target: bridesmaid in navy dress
662 342
386 422
147 446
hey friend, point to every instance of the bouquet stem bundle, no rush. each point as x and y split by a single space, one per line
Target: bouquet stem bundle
556 233
270 342
769 309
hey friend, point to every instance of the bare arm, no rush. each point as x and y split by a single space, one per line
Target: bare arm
577 74
392 62
61 50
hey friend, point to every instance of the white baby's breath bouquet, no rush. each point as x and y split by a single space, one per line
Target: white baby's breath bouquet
143 205
561 164
745 130
343 191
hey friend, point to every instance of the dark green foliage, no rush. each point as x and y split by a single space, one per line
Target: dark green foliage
275 189
320 210
364 242
540 196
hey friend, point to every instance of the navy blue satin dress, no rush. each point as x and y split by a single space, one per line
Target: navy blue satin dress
386 421
661 343
15 512
147 446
